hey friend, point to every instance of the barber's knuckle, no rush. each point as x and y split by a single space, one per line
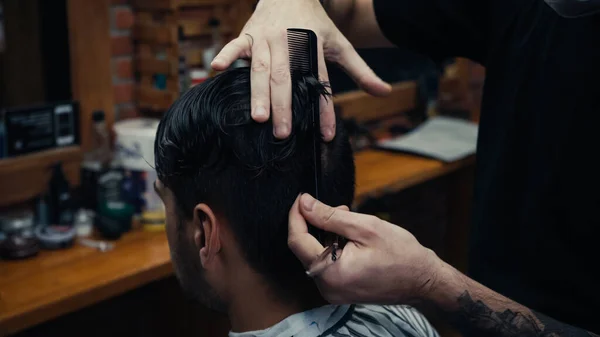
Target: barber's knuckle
363 80
237 42
324 218
280 75
276 36
329 215
242 43
291 242
332 55
371 224
340 52
279 110
346 47
260 66
371 220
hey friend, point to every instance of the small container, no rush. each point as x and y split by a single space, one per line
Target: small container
84 223
198 76
61 200
154 221
135 149
20 239
160 81
20 222
55 236
113 219
42 211
184 79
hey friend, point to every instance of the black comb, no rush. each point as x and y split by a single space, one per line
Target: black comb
302 45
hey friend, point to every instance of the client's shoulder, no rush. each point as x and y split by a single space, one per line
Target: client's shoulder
399 320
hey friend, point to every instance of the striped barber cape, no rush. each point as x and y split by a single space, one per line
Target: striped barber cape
350 321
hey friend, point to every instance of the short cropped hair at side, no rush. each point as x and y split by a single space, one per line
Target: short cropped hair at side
209 150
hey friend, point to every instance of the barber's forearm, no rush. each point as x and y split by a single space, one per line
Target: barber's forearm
478 311
356 20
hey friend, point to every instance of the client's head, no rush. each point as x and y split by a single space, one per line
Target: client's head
228 185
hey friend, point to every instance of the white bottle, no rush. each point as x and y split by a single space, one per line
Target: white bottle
84 223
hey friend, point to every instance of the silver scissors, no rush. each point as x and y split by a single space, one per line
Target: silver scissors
329 256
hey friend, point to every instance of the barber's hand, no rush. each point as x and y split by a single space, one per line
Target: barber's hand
381 263
264 39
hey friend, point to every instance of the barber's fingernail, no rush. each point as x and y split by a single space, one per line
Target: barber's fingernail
308 202
260 112
282 130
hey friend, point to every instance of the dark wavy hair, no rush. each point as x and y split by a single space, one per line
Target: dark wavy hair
209 150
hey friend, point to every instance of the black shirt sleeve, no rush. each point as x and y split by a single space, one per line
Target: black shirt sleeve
438 28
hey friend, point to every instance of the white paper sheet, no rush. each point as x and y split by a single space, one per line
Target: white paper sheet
443 138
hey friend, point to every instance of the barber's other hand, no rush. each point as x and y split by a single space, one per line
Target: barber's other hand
380 263
264 39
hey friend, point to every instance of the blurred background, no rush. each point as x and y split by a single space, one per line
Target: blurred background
82 87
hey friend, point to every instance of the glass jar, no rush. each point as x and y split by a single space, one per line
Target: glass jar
20 241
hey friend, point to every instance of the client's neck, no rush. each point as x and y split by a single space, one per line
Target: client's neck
255 306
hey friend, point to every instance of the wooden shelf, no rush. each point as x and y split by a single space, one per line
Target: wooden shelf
155 34
25 177
58 282
151 50
152 66
171 28
362 107
154 99
193 57
147 81
193 29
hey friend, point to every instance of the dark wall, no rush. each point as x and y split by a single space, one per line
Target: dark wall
35 65
55 48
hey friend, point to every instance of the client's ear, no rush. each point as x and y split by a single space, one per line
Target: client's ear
206 233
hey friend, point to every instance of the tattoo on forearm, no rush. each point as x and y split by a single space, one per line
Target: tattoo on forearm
475 318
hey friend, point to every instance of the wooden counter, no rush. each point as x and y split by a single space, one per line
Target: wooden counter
58 282
380 172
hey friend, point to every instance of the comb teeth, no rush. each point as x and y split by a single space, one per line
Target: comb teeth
300 51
